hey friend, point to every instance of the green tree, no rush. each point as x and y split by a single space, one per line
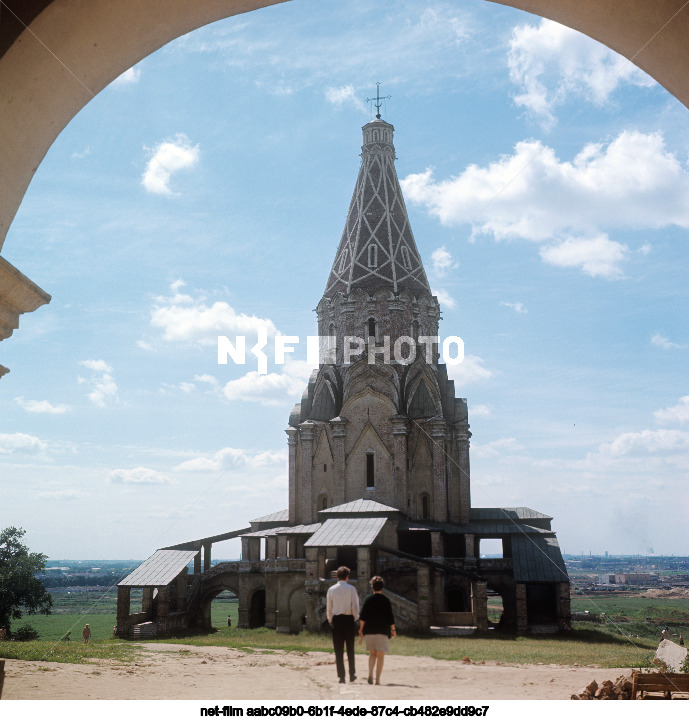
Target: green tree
19 588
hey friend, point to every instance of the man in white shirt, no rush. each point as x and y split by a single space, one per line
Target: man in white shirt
343 611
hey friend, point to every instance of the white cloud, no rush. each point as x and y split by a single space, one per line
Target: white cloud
140 475
533 195
128 77
206 378
183 318
344 95
20 443
500 447
647 442
168 157
516 307
597 256
444 298
442 261
470 370
234 458
271 389
104 388
41 406
480 411
412 41
674 414
552 63
662 342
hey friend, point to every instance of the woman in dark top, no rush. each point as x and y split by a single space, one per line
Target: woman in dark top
377 623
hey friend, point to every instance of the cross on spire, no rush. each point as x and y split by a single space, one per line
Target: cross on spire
378 99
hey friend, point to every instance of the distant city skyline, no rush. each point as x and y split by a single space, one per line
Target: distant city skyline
204 193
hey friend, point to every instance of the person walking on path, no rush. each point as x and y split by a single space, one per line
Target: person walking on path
343 610
86 633
377 624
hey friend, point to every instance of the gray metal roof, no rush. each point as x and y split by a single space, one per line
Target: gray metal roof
359 506
284 531
537 559
160 569
280 516
480 528
520 513
347 532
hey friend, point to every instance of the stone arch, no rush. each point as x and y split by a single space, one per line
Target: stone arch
257 608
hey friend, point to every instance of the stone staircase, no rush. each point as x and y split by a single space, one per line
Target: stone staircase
143 630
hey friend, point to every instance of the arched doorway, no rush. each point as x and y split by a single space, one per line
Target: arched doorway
257 609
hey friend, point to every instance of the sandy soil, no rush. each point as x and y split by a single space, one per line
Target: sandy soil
175 671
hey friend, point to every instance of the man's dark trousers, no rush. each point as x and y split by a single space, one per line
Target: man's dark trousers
344 631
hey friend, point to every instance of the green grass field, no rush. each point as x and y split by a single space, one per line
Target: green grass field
612 644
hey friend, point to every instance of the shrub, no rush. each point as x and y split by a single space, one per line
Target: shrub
25 633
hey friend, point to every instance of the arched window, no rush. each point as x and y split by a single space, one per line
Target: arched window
370 469
373 256
322 502
415 330
406 260
425 510
371 327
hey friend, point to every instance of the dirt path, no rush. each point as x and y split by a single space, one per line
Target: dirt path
175 671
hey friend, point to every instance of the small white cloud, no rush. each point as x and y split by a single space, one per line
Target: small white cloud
480 411
80 156
444 298
140 476
470 370
206 378
41 406
271 389
662 342
516 307
442 261
186 319
647 442
20 443
167 158
500 447
234 458
128 77
674 414
104 388
344 95
552 63
597 256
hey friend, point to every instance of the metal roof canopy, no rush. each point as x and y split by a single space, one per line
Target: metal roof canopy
537 559
347 532
160 569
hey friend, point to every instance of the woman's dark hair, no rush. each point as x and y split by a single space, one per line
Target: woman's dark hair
377 583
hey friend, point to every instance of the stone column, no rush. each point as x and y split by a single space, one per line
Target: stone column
123 599
470 545
147 600
363 570
305 500
479 604
437 432
163 610
292 473
464 476
339 426
272 595
181 590
251 548
564 611
522 613
207 556
271 547
436 544
197 558
423 585
400 475
282 546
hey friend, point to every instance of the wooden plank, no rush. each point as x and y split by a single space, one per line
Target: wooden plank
659 681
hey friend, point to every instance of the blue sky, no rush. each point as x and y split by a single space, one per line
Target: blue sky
204 192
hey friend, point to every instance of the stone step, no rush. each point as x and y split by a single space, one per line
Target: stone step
144 630
452 630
